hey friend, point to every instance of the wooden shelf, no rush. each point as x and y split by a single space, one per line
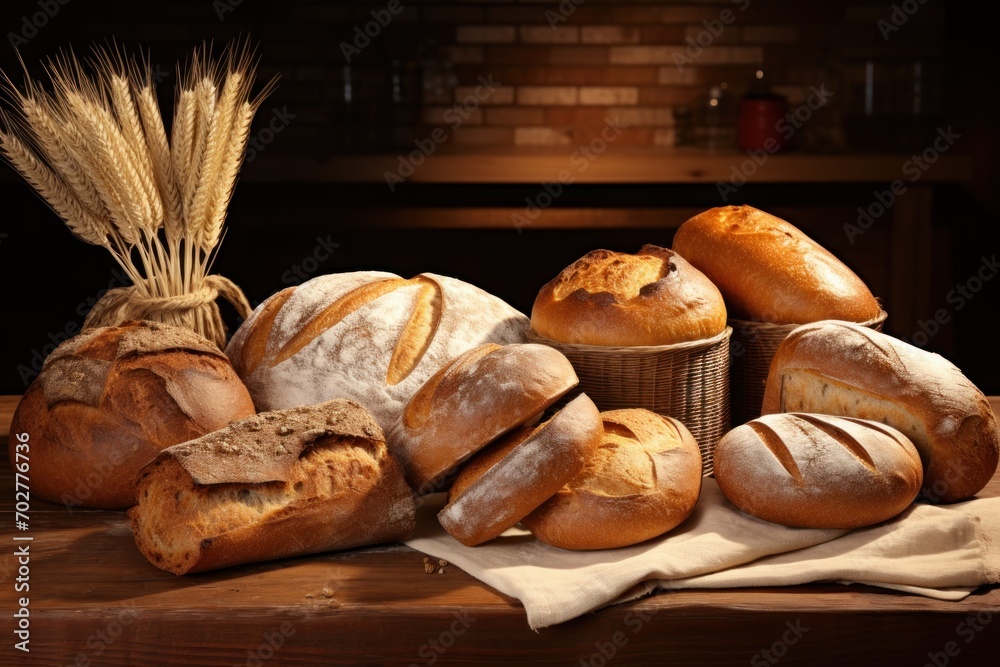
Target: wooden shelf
647 166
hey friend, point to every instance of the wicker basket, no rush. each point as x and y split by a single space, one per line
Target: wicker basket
687 381
754 346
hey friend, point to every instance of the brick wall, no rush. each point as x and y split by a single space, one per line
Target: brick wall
565 68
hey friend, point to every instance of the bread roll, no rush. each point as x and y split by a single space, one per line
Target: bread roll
472 401
110 399
653 297
817 471
839 368
369 336
643 480
769 271
284 483
516 474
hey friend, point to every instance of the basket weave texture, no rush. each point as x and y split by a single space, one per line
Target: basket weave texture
754 345
687 381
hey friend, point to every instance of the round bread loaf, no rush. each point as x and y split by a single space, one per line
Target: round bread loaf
516 474
109 400
642 481
839 368
369 336
472 401
817 471
769 271
653 297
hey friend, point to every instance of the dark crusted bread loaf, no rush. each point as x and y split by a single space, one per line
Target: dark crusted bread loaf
284 483
110 399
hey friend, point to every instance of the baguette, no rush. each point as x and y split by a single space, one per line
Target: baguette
510 478
284 483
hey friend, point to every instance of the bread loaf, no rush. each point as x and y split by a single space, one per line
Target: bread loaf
369 336
472 401
769 271
642 481
516 474
110 399
283 483
653 297
839 368
817 471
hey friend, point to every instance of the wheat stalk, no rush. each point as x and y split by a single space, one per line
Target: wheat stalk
96 149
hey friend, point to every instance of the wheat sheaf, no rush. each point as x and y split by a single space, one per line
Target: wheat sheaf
93 144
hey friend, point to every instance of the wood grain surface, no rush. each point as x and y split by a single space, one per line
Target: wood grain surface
94 600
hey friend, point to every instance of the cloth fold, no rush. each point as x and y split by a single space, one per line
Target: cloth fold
941 552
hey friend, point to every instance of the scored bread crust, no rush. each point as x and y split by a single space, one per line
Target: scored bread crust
476 398
840 368
369 336
111 398
654 297
770 271
283 483
512 477
818 471
644 480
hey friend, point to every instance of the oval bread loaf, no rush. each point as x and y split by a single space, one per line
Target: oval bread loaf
769 271
839 368
110 399
283 483
818 471
476 398
368 336
653 297
516 474
643 480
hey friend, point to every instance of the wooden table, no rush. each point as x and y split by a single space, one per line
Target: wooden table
94 600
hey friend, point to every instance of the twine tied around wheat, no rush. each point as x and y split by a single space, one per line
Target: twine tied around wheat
95 148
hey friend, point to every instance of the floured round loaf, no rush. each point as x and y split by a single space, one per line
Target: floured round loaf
769 271
838 368
369 336
472 401
516 474
109 400
818 471
653 297
284 483
642 481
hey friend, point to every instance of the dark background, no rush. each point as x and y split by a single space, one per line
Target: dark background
50 277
